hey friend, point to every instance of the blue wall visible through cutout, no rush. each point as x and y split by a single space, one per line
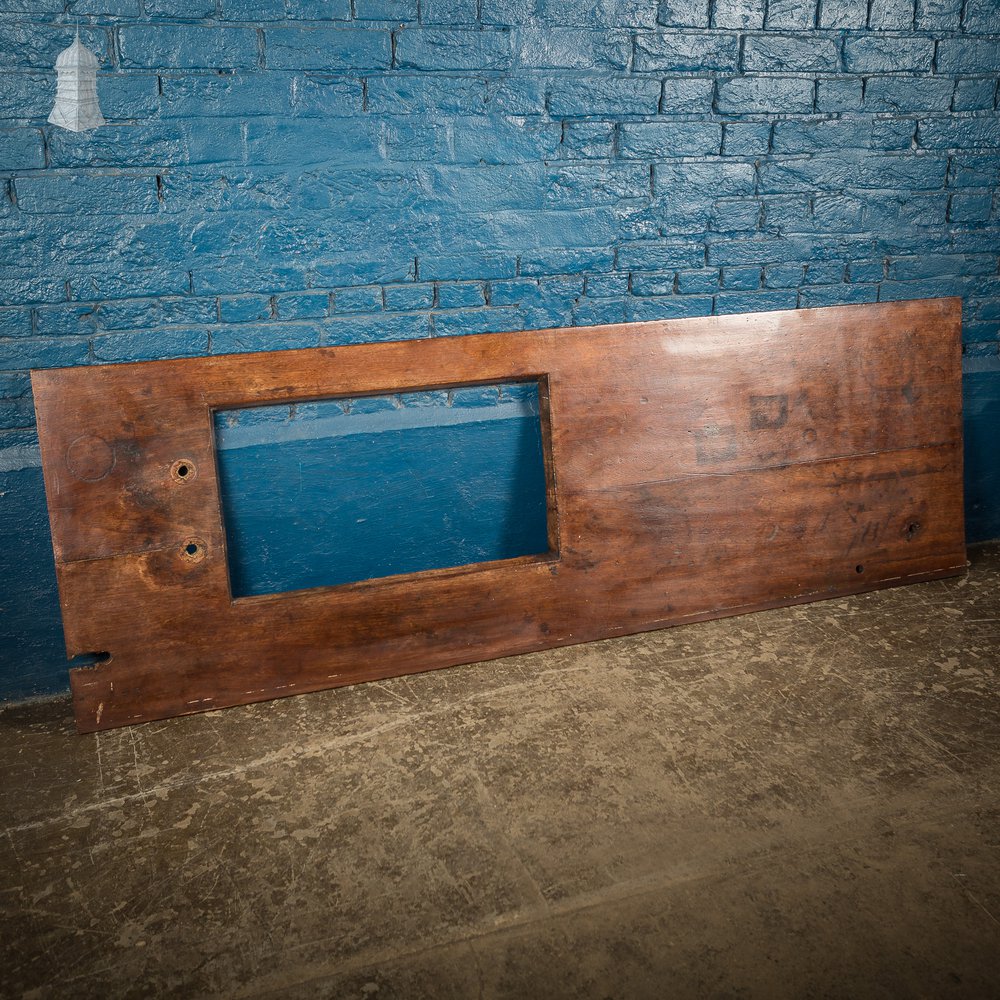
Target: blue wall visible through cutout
338 491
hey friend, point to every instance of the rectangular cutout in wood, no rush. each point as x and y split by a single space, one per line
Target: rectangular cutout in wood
343 490
693 469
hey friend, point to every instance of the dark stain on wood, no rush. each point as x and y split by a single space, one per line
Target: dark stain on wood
696 469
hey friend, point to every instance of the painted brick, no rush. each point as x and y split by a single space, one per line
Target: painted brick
844 14
887 54
421 95
327 48
597 312
838 214
921 93
289 10
244 308
572 48
783 276
302 305
865 271
790 14
982 17
968 55
838 95
683 13
588 140
127 96
720 178
180 8
891 212
362 299
604 96
975 94
187 46
960 133
704 281
37 45
409 138
651 255
891 15
737 14
934 15
940 265
460 295
931 288
464 12
504 140
398 11
646 140
378 327
833 171
824 273
84 194
668 307
403 298
837 295
686 96
970 207
515 95
794 53
764 95
653 283
825 134
16 323
598 13
466 321
510 292
971 170
484 263
746 138
741 278
599 285
730 216
21 149
761 301
22 354
264 337
449 49
508 12
585 185
672 52
893 133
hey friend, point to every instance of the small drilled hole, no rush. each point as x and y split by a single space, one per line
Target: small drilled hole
183 470
859 568
193 550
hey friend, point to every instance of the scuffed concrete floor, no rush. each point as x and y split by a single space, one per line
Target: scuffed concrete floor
798 803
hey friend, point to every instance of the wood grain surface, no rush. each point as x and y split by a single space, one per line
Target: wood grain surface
696 468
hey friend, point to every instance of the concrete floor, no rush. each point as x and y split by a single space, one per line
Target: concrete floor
798 803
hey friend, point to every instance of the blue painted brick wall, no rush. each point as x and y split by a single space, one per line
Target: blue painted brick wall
288 173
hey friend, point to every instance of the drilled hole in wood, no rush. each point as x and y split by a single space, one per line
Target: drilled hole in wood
193 550
859 568
183 470
911 530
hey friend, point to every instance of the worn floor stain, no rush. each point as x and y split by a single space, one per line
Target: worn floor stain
797 803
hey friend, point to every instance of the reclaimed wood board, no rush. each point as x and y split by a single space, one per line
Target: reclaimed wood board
695 469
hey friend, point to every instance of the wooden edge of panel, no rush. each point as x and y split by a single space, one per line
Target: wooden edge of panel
96 708
46 380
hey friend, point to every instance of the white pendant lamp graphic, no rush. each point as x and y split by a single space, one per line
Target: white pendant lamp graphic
76 106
